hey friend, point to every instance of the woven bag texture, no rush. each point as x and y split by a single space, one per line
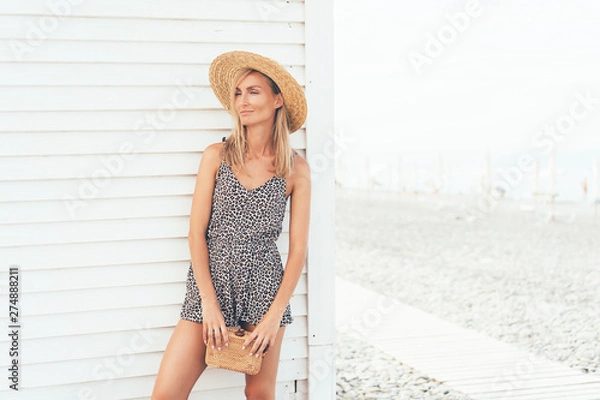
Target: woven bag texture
232 357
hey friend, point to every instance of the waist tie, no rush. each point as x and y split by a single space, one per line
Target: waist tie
242 250
241 240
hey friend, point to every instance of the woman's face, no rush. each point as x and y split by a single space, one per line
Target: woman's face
255 101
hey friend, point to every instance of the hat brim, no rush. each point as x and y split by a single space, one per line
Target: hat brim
226 66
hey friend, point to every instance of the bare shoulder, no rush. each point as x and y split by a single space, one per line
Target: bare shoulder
300 176
301 167
214 149
211 157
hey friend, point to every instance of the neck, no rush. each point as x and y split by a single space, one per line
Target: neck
259 142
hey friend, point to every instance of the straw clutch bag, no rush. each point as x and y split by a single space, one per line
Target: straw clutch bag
232 357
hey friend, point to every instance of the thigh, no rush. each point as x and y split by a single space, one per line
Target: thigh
264 381
182 362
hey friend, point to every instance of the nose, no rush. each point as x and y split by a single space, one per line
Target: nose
244 98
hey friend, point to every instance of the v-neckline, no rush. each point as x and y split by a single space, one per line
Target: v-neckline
240 183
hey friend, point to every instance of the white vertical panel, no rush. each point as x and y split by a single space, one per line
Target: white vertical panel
320 153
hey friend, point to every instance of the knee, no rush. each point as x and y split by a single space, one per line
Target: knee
259 392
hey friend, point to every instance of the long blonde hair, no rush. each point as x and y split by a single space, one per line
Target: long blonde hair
235 146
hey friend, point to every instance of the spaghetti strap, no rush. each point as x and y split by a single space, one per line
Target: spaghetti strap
222 150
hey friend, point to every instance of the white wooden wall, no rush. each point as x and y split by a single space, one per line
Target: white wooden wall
105 109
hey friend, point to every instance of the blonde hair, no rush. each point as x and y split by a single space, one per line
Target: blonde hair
235 146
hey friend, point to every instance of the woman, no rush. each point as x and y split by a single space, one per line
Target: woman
236 277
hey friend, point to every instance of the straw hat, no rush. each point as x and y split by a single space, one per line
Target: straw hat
225 67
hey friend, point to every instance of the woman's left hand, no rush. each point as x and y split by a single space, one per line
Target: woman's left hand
265 334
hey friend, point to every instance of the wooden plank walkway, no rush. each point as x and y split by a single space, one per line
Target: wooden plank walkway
479 366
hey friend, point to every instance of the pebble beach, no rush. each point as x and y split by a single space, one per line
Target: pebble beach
522 274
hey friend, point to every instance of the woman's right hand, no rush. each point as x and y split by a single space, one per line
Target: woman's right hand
214 330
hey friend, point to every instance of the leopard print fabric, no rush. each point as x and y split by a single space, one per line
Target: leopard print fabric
245 264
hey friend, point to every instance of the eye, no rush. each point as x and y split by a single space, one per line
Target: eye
254 92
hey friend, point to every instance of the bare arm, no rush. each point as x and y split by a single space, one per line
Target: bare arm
199 218
299 229
298 241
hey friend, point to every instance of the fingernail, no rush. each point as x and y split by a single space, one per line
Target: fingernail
227 344
219 349
243 347
250 354
256 355
213 347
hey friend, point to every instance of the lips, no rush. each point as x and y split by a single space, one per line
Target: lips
245 112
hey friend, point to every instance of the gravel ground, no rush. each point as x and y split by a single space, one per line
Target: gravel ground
511 274
365 373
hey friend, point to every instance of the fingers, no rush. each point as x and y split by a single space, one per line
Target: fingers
260 345
263 348
205 336
250 340
255 346
218 337
225 334
247 342
214 330
221 336
250 337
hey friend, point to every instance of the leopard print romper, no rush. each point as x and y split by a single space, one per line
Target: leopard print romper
245 264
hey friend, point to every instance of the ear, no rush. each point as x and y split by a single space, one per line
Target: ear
278 100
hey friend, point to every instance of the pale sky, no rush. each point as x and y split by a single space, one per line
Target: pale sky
516 67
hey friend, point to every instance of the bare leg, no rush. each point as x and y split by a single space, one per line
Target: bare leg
262 385
182 362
